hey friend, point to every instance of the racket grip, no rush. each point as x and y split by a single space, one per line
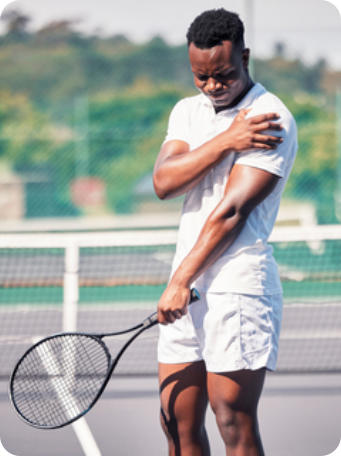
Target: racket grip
195 295
152 319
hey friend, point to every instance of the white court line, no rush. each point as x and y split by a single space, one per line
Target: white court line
20 340
150 305
313 302
21 308
84 307
80 426
309 335
285 335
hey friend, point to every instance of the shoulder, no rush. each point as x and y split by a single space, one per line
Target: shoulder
181 118
189 104
269 102
277 161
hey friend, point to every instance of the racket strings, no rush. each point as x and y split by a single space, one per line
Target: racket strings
58 384
59 379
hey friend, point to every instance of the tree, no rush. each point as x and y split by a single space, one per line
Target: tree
279 50
16 25
313 177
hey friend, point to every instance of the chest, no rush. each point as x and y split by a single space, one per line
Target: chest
204 125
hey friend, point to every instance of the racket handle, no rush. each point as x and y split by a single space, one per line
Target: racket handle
152 319
195 295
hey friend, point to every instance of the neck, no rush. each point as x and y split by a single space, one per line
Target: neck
248 87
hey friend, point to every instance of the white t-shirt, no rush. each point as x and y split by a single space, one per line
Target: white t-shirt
247 266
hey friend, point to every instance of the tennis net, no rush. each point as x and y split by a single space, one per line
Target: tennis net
105 281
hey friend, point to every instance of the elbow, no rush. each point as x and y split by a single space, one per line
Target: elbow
231 218
234 219
162 195
239 212
160 187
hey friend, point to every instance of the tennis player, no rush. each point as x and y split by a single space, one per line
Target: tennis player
230 150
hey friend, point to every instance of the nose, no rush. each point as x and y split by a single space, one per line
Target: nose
213 85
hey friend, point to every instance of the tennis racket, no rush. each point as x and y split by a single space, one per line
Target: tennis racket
60 378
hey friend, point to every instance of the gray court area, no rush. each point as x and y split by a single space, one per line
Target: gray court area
310 336
300 415
32 266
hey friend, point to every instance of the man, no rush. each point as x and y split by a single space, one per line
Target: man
230 150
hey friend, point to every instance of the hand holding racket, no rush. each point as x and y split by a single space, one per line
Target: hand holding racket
60 378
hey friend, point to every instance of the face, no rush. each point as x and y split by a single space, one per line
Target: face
220 73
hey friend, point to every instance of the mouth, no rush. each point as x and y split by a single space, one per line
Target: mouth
218 96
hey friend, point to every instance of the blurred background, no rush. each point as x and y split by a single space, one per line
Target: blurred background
86 90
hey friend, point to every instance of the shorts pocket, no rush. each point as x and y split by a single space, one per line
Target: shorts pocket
256 324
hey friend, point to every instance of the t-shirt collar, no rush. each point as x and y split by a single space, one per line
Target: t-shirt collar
244 103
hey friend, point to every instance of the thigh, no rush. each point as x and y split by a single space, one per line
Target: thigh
183 392
237 391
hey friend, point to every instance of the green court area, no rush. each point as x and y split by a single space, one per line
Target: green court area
317 257
135 294
309 271
53 295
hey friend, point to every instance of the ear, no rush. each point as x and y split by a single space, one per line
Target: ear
245 57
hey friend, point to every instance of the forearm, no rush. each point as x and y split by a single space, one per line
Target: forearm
175 174
218 233
245 189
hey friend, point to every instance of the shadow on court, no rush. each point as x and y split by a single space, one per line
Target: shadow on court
300 415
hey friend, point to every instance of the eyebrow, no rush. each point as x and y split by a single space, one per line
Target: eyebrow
225 70
218 71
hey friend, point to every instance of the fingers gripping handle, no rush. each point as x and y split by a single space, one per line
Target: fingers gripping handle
152 319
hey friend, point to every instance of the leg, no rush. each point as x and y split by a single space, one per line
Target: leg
183 394
234 398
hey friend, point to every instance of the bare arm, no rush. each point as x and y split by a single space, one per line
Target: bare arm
176 170
246 188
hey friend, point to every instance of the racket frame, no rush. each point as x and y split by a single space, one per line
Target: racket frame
34 347
147 323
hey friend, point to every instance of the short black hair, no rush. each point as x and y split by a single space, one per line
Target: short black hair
214 26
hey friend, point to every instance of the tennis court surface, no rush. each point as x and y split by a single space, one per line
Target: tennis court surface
109 281
300 415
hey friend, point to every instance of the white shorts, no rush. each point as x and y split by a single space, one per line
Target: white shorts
228 331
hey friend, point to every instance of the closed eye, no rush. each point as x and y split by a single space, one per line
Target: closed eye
226 75
201 77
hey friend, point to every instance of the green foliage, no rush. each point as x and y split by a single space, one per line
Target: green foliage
56 63
314 177
129 90
33 146
124 139
280 75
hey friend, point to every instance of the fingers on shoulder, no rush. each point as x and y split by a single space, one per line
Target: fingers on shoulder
268 116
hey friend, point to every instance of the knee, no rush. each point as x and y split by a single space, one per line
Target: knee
236 427
227 423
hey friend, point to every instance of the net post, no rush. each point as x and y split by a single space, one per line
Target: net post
71 288
70 308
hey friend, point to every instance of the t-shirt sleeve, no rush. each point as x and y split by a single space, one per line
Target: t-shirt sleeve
276 161
178 123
